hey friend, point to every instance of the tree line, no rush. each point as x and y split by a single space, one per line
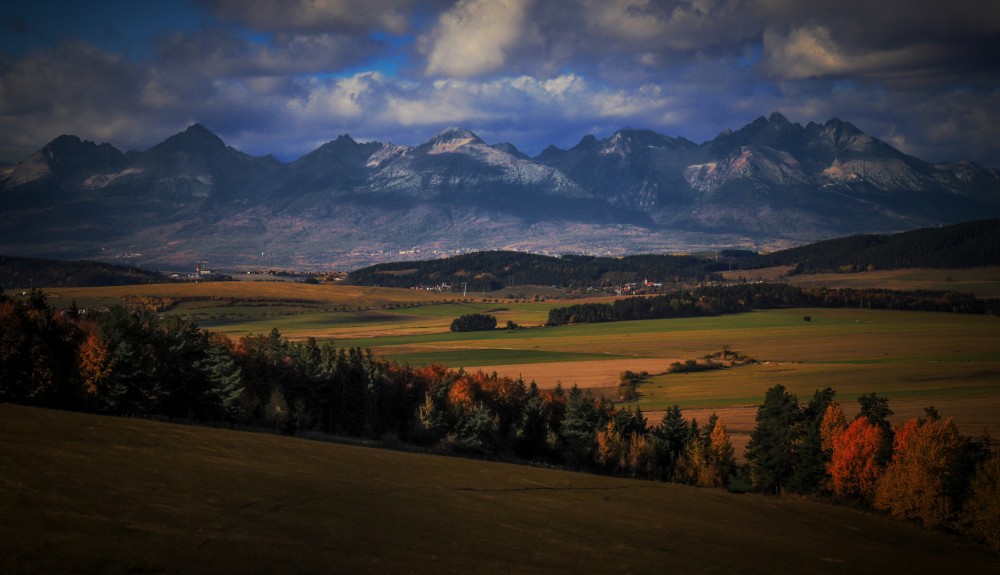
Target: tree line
738 298
134 363
493 270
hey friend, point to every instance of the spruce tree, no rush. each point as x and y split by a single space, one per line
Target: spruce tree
773 448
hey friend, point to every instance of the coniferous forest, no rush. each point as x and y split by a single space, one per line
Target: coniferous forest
135 364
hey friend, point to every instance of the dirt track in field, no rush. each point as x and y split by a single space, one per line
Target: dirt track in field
583 374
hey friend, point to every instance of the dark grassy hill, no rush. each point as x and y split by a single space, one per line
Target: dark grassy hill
90 494
38 273
965 245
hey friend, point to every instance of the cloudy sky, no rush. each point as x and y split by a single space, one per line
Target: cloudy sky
284 76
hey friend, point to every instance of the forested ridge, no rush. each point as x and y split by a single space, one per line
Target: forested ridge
26 273
493 270
741 297
136 364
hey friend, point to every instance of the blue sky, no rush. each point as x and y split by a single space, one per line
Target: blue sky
283 77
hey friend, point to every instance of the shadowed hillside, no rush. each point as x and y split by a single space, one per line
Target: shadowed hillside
89 494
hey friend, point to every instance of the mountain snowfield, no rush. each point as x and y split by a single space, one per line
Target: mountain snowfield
192 198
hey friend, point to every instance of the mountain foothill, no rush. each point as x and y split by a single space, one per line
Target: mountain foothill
771 184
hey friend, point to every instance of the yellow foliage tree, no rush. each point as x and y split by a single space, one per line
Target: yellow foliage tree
833 424
611 447
981 514
914 483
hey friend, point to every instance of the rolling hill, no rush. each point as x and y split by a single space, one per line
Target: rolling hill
91 494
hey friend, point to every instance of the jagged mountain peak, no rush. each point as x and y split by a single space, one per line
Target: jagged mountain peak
777 117
195 139
450 140
455 133
68 155
511 149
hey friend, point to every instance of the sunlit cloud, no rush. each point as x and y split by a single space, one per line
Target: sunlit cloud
474 37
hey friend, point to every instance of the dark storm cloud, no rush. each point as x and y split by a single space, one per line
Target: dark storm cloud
315 16
284 77
217 52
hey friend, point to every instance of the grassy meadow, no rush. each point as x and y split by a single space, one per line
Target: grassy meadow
983 282
91 494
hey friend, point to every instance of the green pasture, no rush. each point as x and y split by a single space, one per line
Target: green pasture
91 494
745 385
486 356
983 282
298 326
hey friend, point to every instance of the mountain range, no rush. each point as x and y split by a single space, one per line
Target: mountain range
191 198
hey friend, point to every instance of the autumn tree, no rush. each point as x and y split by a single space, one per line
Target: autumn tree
981 513
38 354
876 410
432 423
916 483
711 459
611 447
833 424
772 450
855 464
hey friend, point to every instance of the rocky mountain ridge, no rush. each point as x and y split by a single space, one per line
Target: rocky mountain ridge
770 184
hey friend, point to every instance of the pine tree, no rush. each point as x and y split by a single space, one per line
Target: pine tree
772 450
579 426
810 470
672 436
225 380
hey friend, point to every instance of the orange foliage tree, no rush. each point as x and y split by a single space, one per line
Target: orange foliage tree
465 393
854 465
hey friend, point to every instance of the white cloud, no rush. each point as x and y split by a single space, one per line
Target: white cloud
474 37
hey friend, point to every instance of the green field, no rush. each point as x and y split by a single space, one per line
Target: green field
91 494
